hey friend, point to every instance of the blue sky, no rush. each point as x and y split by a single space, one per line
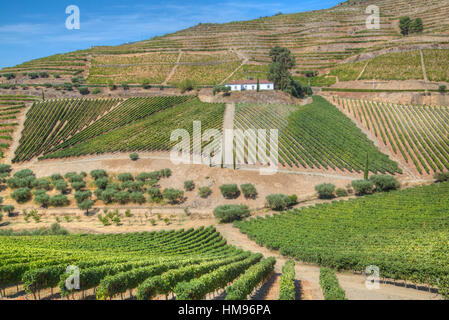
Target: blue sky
32 29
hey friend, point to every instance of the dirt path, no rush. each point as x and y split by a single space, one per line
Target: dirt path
363 70
308 275
173 70
423 66
17 134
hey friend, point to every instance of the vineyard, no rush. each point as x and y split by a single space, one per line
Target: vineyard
150 133
404 233
10 108
317 135
417 134
188 263
50 122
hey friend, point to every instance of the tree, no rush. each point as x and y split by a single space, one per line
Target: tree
81 196
134 156
229 213
280 202
101 183
279 70
61 185
86 205
42 199
249 191
230 191
78 185
97 174
258 85
21 195
385 183
325 190
404 25
362 187
9 209
416 26
172 195
442 89
84 90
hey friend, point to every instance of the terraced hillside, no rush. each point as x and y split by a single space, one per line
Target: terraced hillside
144 264
209 53
123 132
11 107
317 135
404 233
419 135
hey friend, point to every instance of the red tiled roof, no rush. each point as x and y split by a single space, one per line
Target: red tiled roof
250 82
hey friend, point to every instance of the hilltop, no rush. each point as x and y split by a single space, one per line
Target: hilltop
322 41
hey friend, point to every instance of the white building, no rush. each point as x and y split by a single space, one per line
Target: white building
251 85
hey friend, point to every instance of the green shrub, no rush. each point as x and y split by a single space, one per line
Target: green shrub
21 195
187 85
80 196
155 194
84 90
24 174
441 176
41 184
97 174
59 201
137 197
325 190
102 183
8 208
340 192
385 182
96 91
230 212
362 187
249 191
5 168
330 286
172 195
189 185
108 196
287 289
122 177
230 191
134 156
144 176
42 199
61 185
280 202
121 197
56 177
204 192
442 88
78 185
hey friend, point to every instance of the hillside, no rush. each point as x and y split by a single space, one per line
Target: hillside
214 53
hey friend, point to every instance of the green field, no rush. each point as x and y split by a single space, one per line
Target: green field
317 135
151 133
154 263
404 233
